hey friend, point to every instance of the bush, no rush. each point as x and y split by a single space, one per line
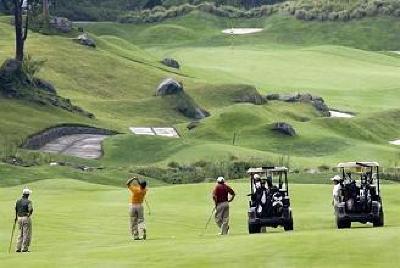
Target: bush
31 66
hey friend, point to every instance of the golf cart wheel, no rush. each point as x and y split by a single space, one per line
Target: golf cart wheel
254 228
342 223
288 226
380 221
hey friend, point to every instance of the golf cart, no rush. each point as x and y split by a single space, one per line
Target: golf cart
269 203
359 201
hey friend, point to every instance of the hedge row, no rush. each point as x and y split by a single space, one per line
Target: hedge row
301 10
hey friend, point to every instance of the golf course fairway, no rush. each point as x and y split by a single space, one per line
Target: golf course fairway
77 224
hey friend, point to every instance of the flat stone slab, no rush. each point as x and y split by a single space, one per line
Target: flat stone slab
158 131
340 114
238 31
80 145
142 131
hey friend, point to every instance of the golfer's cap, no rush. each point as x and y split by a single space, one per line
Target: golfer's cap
256 176
336 178
26 191
220 179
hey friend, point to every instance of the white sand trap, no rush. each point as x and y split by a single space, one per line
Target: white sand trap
340 114
159 131
397 52
396 142
242 30
79 145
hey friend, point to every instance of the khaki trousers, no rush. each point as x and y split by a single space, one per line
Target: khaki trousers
137 225
222 217
25 233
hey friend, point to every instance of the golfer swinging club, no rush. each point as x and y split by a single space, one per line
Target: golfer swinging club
138 192
221 198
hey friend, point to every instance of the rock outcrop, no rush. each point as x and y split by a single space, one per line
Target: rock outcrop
171 63
169 86
173 92
317 101
284 128
85 40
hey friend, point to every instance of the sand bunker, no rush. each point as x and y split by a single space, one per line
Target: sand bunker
155 131
242 30
395 142
340 114
79 145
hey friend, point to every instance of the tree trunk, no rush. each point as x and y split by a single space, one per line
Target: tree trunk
46 12
19 35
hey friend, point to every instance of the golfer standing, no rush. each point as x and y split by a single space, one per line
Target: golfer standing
138 192
23 213
222 195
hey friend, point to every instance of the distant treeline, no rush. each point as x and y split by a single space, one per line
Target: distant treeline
110 10
142 11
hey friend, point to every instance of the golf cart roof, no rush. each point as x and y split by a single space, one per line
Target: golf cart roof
266 169
357 164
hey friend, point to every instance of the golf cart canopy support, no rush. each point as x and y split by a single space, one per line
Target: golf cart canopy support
357 164
266 169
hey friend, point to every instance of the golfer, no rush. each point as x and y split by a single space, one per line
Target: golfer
222 195
23 214
138 192
337 187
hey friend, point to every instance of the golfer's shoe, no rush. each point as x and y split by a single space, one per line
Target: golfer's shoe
18 250
144 234
136 238
25 250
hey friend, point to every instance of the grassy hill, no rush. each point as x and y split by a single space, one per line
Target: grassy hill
64 212
117 82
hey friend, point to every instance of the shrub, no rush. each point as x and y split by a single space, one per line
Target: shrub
31 66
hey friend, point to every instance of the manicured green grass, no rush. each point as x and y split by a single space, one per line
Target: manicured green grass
85 225
117 81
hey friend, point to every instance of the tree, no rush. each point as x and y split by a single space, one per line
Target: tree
46 8
21 31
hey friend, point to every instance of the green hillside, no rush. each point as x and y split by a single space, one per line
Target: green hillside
120 90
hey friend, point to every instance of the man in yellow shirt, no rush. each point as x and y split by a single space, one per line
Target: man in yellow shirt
138 192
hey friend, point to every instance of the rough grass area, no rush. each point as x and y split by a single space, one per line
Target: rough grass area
85 225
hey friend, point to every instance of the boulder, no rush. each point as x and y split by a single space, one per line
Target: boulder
256 99
61 24
171 63
169 86
320 106
84 40
284 128
273 96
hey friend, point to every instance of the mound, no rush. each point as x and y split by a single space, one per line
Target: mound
17 84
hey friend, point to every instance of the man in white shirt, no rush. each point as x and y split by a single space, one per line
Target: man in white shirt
337 187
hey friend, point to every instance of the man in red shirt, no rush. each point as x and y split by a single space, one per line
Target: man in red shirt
222 195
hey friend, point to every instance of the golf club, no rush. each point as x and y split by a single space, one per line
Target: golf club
208 221
148 207
12 235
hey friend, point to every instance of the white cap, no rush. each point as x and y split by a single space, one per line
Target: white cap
220 179
256 176
26 191
336 178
